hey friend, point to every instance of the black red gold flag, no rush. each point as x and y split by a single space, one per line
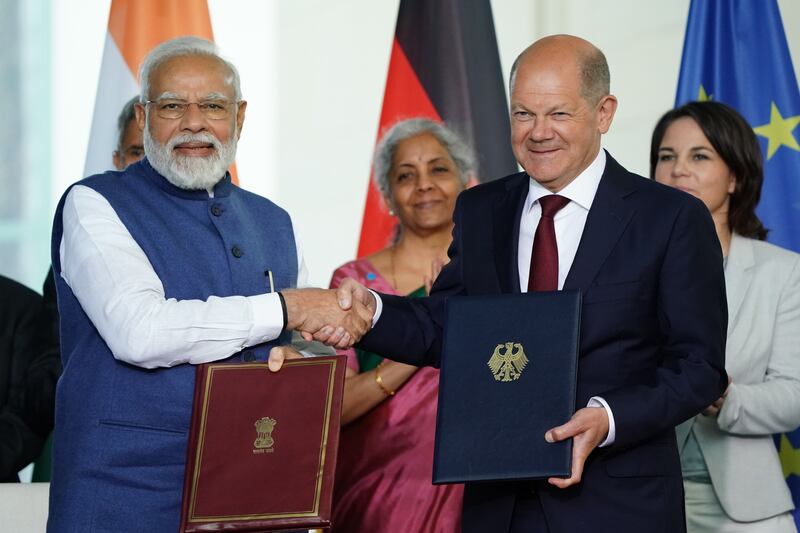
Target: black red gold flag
445 66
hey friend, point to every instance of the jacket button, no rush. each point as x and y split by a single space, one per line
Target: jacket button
249 357
237 252
216 210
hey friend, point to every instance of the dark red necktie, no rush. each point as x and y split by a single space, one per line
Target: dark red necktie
543 275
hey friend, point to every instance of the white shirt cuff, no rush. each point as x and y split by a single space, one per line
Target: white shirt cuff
378 307
267 318
597 401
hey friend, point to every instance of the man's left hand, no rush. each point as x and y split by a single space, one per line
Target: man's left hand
278 354
588 427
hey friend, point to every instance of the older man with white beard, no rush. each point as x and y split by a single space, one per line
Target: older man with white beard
160 267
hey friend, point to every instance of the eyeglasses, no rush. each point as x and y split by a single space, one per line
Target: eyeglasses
171 109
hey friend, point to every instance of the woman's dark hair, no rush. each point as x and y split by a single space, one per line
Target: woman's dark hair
734 140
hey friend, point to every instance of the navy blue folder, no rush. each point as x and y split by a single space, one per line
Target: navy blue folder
508 374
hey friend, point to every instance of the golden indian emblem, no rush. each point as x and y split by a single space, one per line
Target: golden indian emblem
508 361
264 440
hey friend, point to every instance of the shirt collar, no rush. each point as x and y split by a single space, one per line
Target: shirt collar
581 190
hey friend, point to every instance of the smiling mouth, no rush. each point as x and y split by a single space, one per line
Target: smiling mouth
427 205
541 152
194 148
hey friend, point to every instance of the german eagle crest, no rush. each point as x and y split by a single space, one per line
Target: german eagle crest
508 364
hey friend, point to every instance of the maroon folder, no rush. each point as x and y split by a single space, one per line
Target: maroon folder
262 446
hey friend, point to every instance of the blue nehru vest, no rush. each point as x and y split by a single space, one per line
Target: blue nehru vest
121 430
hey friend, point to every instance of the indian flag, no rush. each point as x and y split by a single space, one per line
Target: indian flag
134 28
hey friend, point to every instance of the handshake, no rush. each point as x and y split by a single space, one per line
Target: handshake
338 318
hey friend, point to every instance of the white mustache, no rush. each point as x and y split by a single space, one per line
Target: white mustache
204 137
185 171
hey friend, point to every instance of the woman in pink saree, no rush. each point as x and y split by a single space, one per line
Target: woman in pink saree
383 476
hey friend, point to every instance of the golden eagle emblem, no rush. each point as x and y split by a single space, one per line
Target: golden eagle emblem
509 364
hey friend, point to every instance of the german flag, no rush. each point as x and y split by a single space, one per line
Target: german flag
444 66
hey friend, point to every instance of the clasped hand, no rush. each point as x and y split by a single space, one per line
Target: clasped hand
716 407
338 318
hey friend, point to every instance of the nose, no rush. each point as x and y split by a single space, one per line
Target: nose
193 119
540 130
679 168
424 181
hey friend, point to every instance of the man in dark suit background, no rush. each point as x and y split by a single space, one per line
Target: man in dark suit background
653 318
29 369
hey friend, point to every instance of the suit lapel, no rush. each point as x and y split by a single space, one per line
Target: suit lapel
506 215
738 275
608 217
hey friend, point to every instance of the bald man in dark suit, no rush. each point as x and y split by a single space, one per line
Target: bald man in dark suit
654 318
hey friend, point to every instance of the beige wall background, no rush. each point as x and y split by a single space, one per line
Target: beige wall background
313 72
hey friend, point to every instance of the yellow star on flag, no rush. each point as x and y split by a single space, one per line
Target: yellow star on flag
790 457
702 96
779 131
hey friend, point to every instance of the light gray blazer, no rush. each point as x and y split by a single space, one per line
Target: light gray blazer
763 360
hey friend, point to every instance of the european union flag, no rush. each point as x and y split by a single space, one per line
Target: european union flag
735 52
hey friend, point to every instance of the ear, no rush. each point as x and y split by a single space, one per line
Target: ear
117 159
606 108
138 109
389 205
732 184
240 117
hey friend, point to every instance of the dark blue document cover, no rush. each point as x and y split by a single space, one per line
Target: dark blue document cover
508 374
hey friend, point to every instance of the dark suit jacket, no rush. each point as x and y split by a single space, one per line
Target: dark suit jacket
29 365
652 340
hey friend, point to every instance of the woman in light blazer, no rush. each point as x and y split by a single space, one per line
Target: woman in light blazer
732 474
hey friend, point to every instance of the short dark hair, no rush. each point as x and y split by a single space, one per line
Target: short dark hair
734 140
125 117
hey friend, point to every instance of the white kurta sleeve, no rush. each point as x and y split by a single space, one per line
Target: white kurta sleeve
121 294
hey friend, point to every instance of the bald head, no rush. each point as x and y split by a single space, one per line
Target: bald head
568 52
560 107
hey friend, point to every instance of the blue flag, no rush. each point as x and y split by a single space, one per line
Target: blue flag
735 52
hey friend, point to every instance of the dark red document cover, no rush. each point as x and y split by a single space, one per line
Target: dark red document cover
262 446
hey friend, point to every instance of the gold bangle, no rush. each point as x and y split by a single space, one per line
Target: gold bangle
379 381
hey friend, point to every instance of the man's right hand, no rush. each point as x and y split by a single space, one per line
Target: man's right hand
350 291
350 295
319 314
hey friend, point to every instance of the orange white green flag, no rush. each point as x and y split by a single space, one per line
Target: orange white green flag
134 28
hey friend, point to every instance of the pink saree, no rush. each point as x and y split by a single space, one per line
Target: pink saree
383 474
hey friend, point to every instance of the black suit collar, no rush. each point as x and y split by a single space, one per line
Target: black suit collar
507 213
605 223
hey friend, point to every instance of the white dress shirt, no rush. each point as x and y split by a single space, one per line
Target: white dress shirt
568 224
121 294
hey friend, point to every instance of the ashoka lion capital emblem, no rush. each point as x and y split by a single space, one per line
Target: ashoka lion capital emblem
507 364
264 427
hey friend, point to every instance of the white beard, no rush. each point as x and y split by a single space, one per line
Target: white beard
188 172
